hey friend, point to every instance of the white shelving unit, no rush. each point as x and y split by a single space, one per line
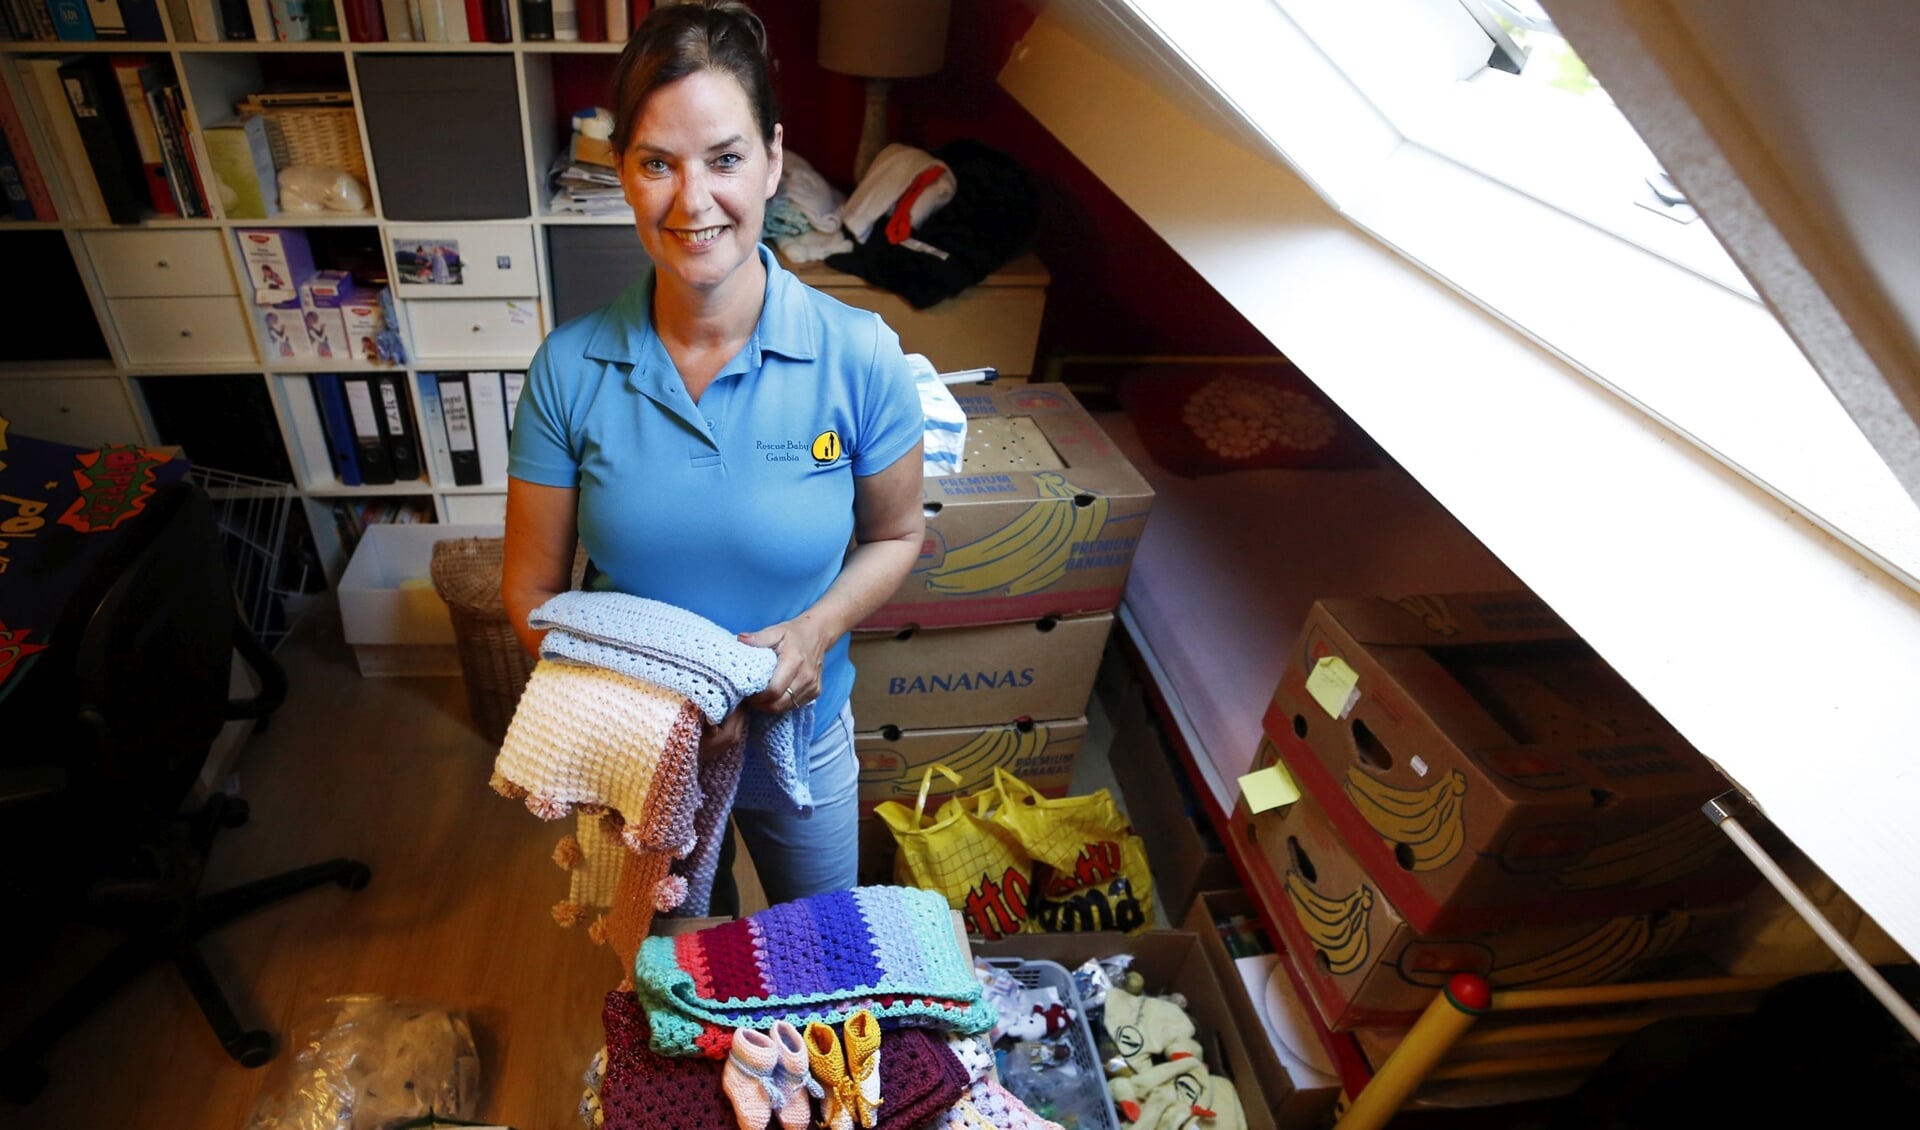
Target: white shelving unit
89 400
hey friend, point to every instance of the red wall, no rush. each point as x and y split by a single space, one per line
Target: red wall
1117 287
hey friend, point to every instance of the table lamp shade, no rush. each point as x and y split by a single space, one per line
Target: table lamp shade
883 38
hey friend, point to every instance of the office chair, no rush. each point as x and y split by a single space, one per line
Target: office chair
127 717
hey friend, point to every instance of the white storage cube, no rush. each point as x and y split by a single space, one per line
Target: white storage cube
389 612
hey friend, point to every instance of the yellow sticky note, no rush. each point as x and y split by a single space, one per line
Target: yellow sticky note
1334 685
1268 788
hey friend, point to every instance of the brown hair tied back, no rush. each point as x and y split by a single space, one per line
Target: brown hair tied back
676 40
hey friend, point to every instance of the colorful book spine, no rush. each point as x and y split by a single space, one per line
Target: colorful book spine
591 18
324 19
70 20
107 21
291 22
143 21
126 73
365 21
13 127
11 185
536 19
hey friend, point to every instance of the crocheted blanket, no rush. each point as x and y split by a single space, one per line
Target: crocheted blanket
644 1090
890 950
685 652
621 750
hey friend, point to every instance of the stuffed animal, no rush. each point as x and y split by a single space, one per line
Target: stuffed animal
1180 1094
1145 1027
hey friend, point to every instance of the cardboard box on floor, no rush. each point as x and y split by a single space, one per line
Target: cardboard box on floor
1171 961
1366 967
1488 769
892 762
1183 857
975 676
1291 1101
1042 521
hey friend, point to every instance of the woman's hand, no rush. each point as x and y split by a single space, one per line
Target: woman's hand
802 646
717 740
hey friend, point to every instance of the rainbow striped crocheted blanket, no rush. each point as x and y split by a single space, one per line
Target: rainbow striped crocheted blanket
890 950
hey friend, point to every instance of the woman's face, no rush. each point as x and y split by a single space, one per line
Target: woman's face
698 177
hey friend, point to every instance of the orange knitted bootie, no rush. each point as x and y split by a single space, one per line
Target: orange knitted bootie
839 1095
862 1037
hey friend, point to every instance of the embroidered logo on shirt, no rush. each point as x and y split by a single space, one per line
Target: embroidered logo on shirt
826 447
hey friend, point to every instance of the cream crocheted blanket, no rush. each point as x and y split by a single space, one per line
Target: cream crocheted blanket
619 750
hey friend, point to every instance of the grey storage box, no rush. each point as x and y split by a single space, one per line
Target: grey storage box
446 136
591 265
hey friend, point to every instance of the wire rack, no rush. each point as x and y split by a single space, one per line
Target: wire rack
253 515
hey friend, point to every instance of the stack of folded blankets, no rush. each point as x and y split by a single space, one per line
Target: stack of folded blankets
852 1010
608 730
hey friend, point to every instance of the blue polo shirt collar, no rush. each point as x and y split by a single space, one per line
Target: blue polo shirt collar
625 335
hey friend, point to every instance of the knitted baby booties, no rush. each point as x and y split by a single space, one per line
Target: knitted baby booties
862 1037
1145 1027
763 1077
829 1082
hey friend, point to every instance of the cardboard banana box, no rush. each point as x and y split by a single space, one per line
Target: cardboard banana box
1487 768
1042 521
976 676
1365 966
892 761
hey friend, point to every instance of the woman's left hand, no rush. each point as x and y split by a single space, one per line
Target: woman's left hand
802 647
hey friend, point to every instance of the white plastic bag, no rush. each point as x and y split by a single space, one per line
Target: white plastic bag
368 1062
317 188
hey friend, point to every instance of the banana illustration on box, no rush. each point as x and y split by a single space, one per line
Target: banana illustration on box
1668 851
1028 553
1000 746
1431 822
1433 612
1336 927
1604 955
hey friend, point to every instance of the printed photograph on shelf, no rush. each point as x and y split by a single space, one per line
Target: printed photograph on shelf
434 263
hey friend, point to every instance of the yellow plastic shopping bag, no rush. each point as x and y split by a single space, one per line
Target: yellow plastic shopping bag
1089 868
978 865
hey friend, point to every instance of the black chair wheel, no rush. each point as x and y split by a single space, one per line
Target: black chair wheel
357 877
21 1080
234 813
254 1049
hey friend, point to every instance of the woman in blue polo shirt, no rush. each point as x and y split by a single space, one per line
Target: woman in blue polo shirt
719 434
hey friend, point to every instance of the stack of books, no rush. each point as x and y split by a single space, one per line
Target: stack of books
120 148
582 175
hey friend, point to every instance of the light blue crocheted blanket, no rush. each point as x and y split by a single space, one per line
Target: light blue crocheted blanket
690 655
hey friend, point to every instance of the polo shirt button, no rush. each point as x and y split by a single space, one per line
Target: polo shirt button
709 423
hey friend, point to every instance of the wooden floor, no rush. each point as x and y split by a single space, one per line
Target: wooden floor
388 771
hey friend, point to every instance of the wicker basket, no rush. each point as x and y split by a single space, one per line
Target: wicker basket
328 136
466 573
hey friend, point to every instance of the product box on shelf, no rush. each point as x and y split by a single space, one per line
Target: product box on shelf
1042 520
284 330
979 675
1364 964
389 612
1487 768
892 762
1170 961
327 334
327 290
278 260
361 323
1292 1064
